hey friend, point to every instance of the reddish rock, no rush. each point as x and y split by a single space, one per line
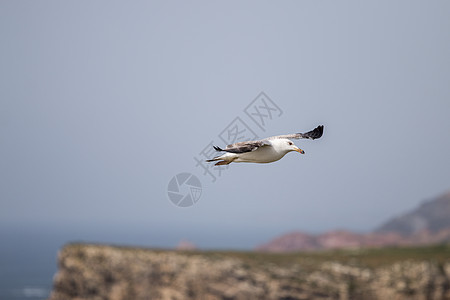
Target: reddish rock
428 224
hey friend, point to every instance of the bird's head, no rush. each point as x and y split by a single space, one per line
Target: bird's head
291 147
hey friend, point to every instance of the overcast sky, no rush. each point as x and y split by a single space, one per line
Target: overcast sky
103 102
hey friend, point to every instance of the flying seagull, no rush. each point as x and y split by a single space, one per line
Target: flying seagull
264 151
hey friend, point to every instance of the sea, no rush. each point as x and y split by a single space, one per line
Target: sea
29 257
29 253
27 266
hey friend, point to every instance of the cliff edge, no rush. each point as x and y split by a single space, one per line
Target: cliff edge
88 272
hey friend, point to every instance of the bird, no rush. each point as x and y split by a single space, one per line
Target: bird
263 151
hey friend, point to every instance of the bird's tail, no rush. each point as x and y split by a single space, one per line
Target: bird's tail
214 159
217 157
223 159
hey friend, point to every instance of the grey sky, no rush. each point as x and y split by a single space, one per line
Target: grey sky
103 102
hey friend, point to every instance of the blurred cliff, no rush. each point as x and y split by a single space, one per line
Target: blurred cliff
425 225
91 272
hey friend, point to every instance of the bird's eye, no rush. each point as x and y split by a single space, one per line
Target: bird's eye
290 143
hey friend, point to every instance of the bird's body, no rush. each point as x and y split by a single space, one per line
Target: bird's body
267 154
264 151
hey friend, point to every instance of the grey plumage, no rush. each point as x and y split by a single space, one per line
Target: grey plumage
312 135
248 146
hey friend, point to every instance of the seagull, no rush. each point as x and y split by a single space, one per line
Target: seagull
264 151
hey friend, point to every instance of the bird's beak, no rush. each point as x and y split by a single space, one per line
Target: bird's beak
300 151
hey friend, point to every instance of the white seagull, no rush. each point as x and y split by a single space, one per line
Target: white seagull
264 151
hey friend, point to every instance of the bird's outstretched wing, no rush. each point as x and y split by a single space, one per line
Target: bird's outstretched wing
312 135
249 146
243 147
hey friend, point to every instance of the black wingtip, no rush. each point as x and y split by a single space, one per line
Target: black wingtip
315 133
217 148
